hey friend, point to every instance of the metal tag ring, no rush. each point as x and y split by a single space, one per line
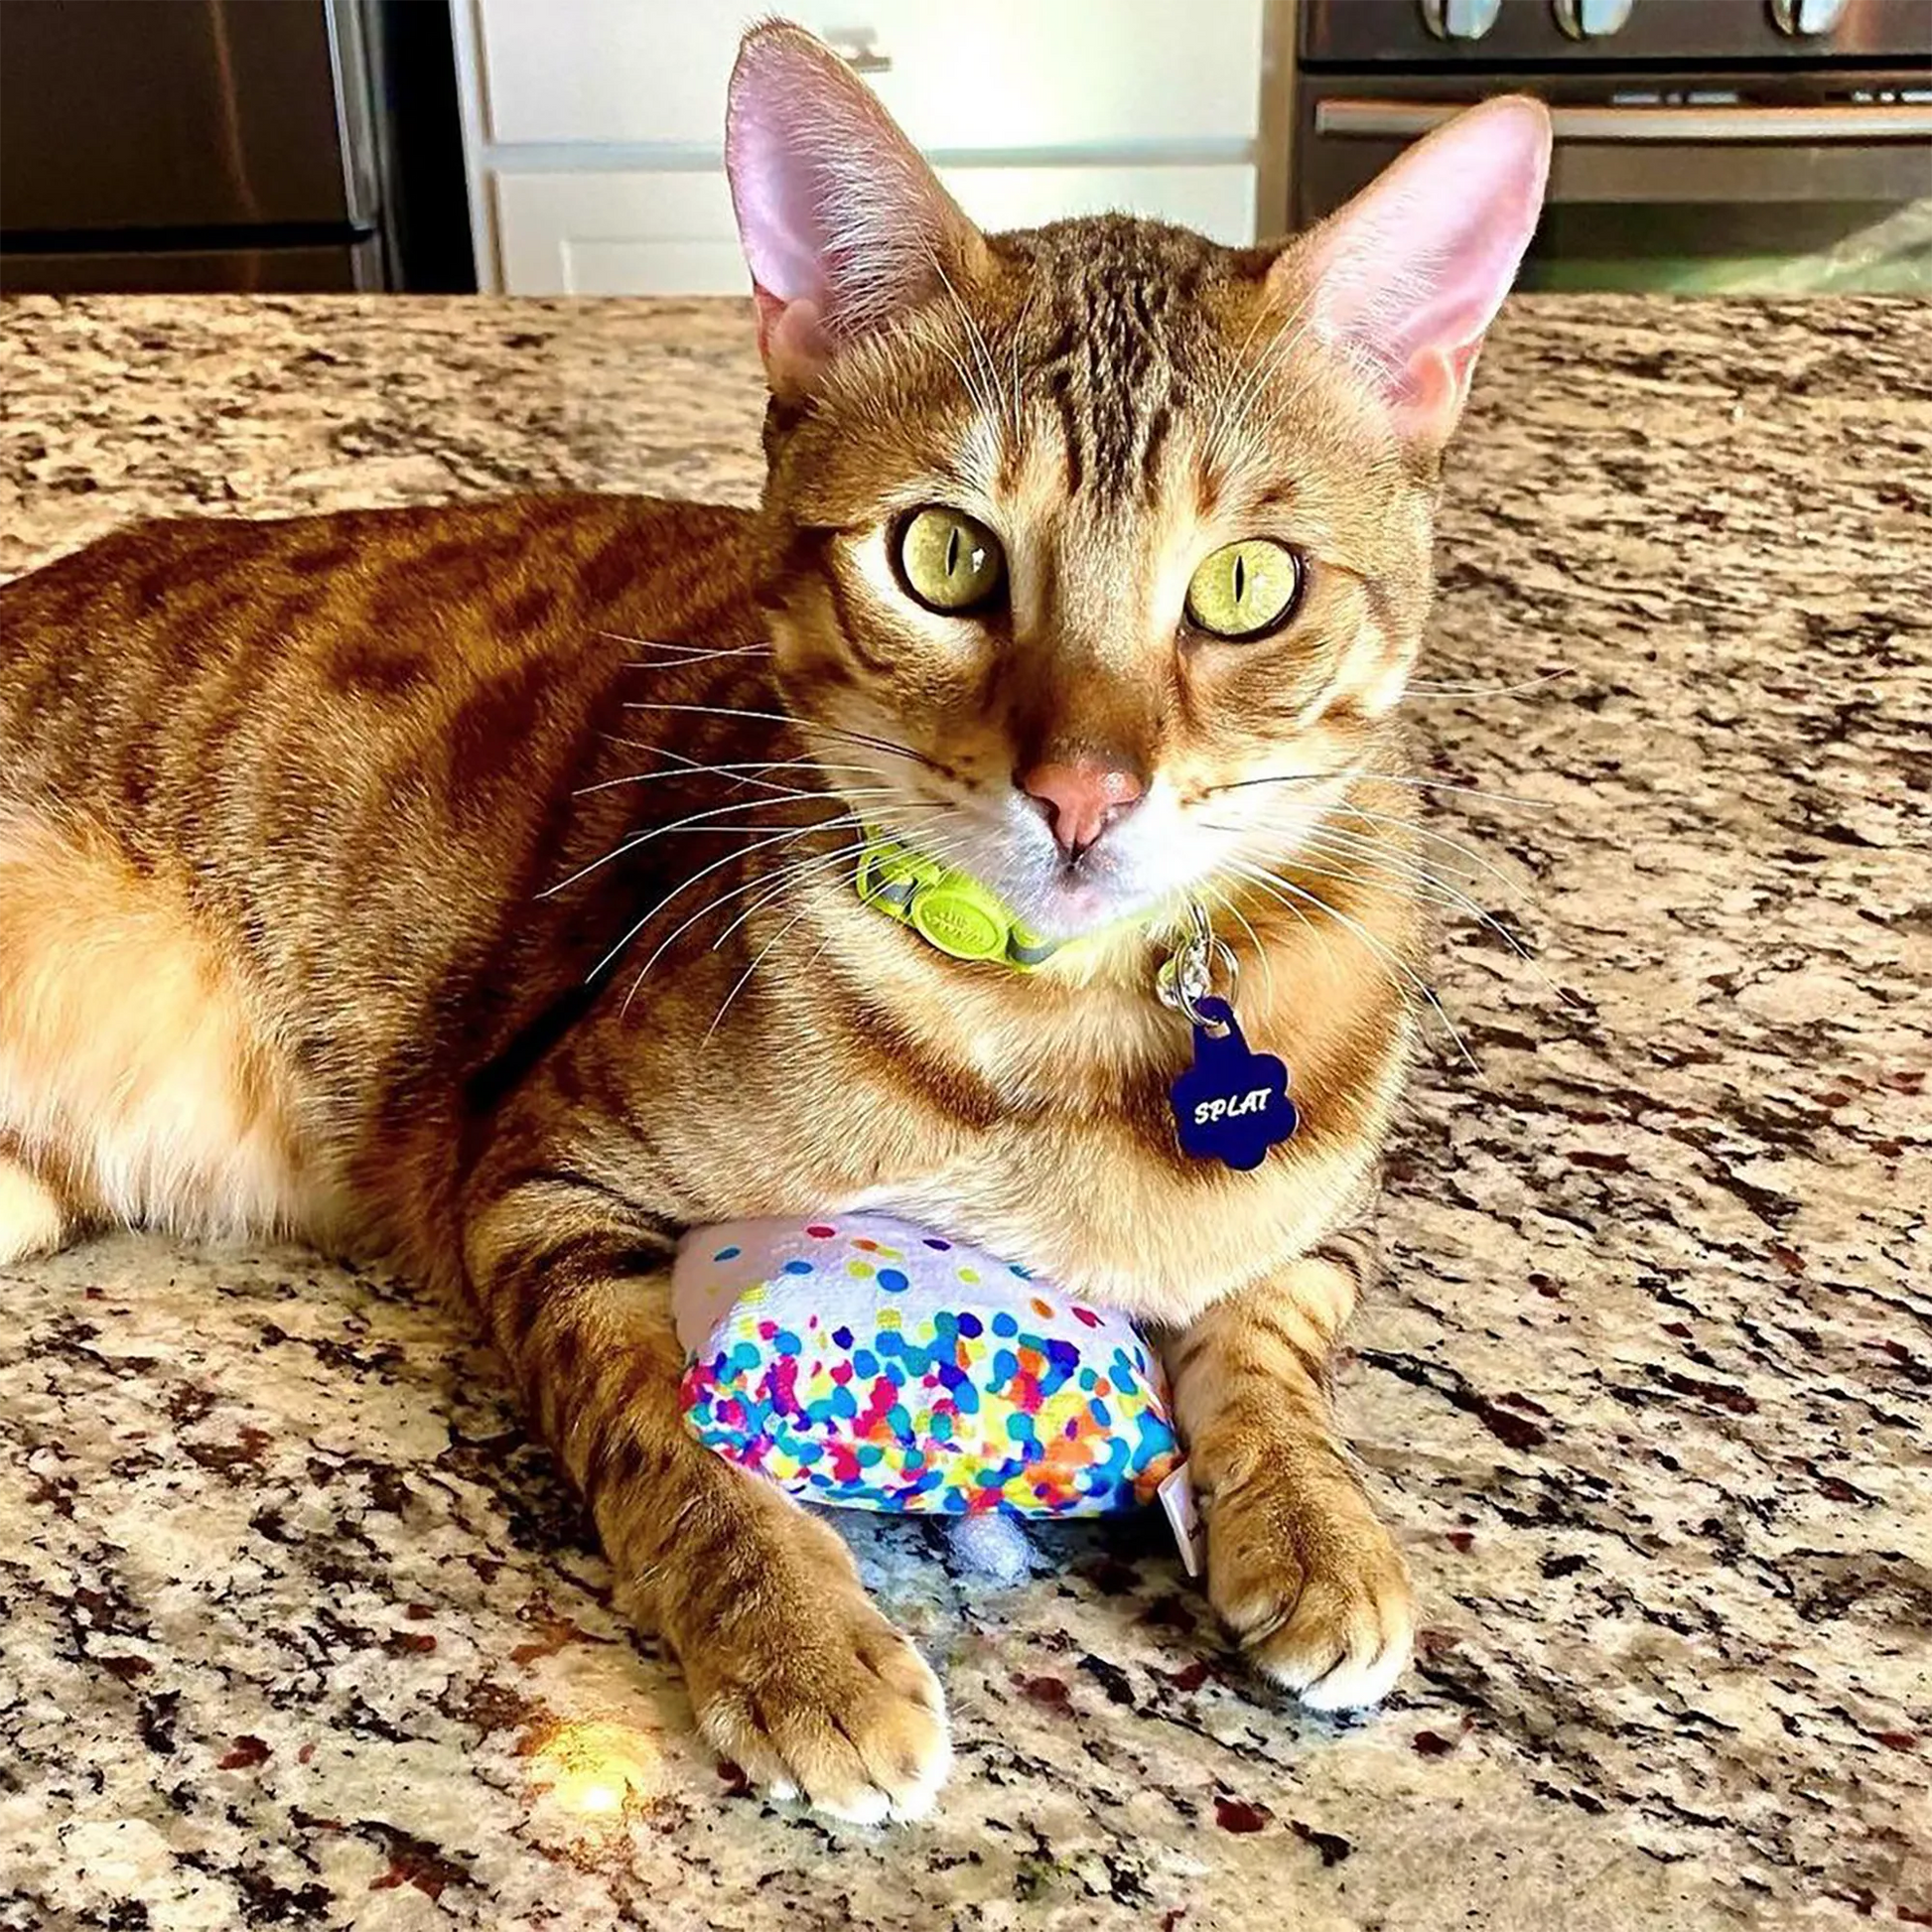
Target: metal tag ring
1190 973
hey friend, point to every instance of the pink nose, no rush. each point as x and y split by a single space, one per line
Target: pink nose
1082 799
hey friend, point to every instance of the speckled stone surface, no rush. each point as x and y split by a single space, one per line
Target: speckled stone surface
298 1629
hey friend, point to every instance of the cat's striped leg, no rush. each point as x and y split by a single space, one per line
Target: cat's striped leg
1299 1567
794 1674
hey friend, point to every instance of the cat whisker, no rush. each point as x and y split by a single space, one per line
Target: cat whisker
1248 386
1365 851
1379 857
737 771
985 400
740 855
1307 925
743 979
1273 882
1273 778
1224 901
1432 688
1397 882
979 406
929 848
679 653
691 819
671 938
1212 441
1319 935
1384 779
1386 888
1412 876
1464 851
780 880
1371 852
685 884
844 732
1437 893
791 876
679 663
691 767
1346 844
1240 398
1266 368
1019 403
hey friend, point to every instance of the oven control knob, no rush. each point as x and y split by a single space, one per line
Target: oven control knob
1803 18
1592 20
1460 20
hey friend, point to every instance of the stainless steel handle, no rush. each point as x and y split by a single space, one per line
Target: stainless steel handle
1717 126
853 46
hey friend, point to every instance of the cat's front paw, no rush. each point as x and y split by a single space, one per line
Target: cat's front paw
813 1693
1312 1585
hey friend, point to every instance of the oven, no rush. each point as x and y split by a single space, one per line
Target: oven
1763 146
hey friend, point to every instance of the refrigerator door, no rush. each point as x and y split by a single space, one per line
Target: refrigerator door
192 114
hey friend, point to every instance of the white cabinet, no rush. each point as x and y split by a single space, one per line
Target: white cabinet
662 232
999 74
666 231
593 128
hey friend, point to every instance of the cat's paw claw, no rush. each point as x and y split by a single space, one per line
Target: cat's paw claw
1320 1601
848 1717
1336 1649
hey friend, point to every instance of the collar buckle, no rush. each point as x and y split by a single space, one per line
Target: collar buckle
949 909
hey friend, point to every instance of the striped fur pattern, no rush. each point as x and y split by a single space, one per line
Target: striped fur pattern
471 885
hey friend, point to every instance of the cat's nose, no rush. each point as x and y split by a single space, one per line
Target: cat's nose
1081 798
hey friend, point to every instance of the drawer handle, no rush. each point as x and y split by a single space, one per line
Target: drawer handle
855 46
1662 125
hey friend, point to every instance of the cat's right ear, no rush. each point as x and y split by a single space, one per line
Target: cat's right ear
844 226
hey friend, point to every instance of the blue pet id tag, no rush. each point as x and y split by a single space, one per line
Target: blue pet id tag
1232 1104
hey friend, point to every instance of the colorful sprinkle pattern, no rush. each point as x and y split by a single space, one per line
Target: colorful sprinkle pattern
870 1364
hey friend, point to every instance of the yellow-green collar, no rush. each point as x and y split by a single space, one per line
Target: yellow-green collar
948 909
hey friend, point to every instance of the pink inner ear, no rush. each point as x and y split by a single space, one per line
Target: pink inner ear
843 224
780 216
1411 272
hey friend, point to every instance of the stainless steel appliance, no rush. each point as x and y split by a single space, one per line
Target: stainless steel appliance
227 144
1701 144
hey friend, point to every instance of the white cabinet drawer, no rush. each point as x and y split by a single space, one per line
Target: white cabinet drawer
670 231
1006 75
658 233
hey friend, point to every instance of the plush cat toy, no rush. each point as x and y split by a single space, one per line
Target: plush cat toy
867 1364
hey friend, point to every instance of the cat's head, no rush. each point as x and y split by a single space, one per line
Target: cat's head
1100 526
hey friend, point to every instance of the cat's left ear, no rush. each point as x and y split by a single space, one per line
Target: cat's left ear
1407 277
844 224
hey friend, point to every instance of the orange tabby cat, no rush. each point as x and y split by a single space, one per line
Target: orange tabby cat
365 877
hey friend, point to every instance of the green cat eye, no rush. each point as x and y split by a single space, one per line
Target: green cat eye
1245 590
950 562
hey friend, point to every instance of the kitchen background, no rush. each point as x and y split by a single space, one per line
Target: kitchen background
573 146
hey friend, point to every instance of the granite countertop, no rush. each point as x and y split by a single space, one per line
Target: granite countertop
298 1629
